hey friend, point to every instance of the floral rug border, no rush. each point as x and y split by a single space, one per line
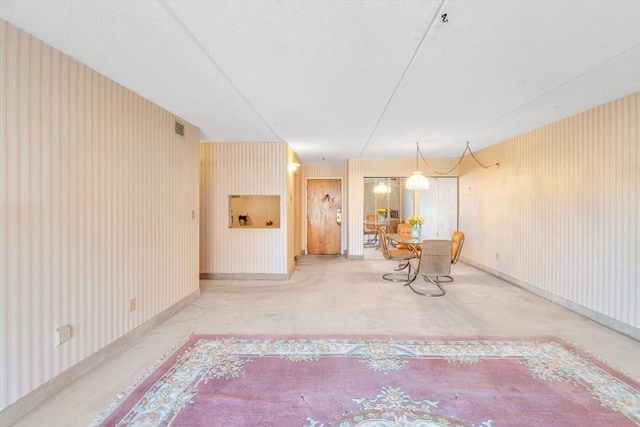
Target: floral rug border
547 358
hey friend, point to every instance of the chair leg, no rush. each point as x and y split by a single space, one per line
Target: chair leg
371 242
412 279
402 265
399 277
427 294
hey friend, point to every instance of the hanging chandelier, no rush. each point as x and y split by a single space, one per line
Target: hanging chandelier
381 188
417 181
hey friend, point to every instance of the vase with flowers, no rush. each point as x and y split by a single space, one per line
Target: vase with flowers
416 222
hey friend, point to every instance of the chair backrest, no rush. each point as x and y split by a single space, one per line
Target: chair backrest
370 224
435 259
392 227
393 254
382 238
457 240
404 231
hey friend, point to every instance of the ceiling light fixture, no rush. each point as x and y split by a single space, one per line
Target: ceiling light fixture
417 181
292 167
381 188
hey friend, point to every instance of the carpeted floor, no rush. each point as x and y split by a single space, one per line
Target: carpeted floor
368 381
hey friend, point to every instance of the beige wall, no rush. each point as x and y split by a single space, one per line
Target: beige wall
96 201
258 168
294 208
560 214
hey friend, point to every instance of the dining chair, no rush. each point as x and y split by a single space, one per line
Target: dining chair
404 230
457 240
404 233
392 227
370 232
401 255
434 262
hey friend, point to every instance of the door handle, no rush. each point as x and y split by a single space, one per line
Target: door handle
339 217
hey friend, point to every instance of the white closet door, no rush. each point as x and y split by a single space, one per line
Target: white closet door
439 206
447 207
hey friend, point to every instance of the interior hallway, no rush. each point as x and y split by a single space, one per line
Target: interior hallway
331 295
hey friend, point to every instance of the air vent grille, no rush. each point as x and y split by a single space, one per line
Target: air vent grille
179 129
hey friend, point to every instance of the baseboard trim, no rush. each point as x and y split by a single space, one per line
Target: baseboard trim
600 318
14 412
292 268
243 276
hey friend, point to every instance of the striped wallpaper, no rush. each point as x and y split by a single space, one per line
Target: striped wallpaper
258 168
294 211
97 195
560 213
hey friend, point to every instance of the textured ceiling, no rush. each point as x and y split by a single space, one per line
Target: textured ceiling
354 79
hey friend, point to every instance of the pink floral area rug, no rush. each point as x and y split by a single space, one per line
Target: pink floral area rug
317 382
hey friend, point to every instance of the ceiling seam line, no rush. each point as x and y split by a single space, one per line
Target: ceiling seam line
213 62
399 82
572 79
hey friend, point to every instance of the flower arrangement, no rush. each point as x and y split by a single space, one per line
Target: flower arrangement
382 211
243 218
416 220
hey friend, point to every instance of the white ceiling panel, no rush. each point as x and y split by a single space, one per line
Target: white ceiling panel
354 79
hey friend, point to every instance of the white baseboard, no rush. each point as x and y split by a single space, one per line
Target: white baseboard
12 413
243 276
600 318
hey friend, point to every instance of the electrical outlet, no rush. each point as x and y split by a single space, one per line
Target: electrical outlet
132 304
62 334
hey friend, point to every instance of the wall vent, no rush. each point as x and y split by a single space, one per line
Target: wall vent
179 129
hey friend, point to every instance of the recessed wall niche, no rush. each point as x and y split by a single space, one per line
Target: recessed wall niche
254 211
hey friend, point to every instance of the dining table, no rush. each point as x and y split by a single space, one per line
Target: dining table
395 238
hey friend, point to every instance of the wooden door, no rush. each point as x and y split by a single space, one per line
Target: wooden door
324 204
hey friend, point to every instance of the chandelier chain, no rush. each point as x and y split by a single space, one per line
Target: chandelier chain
458 163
